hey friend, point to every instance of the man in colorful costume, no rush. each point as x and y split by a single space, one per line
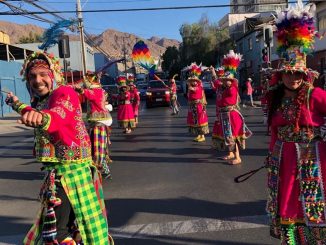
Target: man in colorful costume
174 97
134 96
297 160
99 121
71 192
125 117
197 119
230 130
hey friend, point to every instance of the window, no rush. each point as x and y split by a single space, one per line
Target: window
250 43
241 48
322 23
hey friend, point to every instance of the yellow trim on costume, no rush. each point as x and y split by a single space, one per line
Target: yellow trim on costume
201 125
21 108
289 221
46 121
63 161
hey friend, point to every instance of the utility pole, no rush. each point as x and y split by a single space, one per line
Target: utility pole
81 32
124 55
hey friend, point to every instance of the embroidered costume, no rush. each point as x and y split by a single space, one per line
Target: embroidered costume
99 122
297 162
197 119
229 127
134 97
72 184
174 96
125 117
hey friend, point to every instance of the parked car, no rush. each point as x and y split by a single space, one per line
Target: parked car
142 88
158 93
208 88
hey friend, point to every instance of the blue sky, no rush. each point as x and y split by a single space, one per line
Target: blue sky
164 23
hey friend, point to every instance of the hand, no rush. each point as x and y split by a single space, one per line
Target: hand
11 98
78 88
32 119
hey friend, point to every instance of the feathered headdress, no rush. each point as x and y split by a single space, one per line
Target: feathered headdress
296 36
220 72
130 79
52 61
92 80
121 81
194 71
52 35
230 63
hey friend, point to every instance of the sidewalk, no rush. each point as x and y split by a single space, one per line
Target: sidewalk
9 124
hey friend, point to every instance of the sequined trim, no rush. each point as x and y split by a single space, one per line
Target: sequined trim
305 134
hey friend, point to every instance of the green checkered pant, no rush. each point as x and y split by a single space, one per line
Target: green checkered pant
87 203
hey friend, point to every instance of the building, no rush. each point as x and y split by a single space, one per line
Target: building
250 45
235 23
250 6
75 58
317 60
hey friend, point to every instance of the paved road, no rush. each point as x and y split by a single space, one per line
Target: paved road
165 189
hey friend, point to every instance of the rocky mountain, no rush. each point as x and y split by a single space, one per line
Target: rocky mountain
111 41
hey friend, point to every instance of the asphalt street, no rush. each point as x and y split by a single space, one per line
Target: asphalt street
166 189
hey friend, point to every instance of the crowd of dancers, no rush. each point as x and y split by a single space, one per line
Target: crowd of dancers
74 151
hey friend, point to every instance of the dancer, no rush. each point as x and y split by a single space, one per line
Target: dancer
297 160
265 75
71 193
230 130
99 121
134 97
197 117
125 117
174 97
248 94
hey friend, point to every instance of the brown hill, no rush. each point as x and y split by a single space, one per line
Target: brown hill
111 41
16 31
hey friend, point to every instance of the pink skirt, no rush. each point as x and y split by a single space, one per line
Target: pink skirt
197 119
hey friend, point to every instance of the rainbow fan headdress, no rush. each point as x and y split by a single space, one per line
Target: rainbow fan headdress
121 81
194 71
142 56
296 36
230 63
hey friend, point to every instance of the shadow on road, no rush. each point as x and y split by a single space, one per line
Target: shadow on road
13 225
15 175
121 210
167 240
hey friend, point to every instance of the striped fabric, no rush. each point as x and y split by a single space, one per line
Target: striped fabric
100 148
86 197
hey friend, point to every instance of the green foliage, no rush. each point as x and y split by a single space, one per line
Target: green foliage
171 61
31 38
202 42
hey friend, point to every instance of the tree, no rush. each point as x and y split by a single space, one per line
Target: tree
31 38
203 42
171 61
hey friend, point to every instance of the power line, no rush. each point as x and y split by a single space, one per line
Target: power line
87 35
155 8
20 11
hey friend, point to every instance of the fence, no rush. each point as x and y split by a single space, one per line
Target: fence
10 80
